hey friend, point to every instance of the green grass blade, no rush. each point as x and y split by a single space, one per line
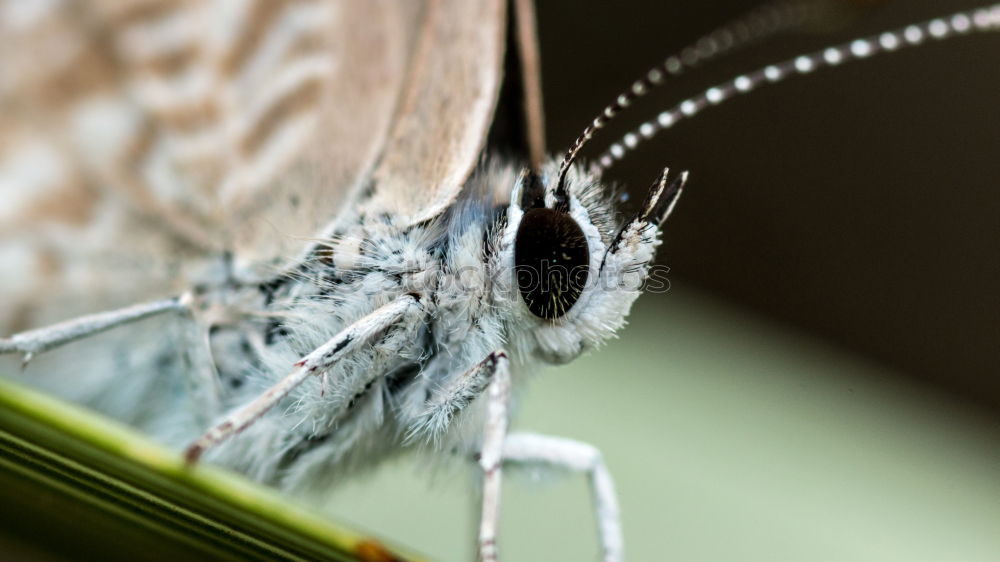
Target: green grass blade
73 481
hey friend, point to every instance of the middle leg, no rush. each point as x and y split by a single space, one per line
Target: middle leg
493 374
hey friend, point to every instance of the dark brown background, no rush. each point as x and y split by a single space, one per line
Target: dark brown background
860 204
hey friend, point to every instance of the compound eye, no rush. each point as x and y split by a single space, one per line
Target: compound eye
551 262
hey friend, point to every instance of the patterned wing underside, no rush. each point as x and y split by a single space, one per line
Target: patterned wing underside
137 135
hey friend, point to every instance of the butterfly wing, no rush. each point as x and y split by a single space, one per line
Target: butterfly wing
449 103
404 116
327 127
136 137
74 224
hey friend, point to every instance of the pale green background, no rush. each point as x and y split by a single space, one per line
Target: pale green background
730 439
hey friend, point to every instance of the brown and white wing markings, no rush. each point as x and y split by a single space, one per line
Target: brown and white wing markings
346 109
72 238
263 115
150 133
446 109
137 136
412 93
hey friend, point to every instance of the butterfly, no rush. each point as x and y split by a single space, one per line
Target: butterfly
345 275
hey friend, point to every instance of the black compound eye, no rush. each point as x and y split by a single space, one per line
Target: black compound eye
551 261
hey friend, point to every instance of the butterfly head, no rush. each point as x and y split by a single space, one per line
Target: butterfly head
574 269
575 272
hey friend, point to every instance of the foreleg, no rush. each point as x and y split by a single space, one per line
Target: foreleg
316 363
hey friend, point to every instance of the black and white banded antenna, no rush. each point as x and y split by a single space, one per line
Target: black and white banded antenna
760 23
957 24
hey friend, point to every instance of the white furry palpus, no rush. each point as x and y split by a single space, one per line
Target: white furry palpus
352 278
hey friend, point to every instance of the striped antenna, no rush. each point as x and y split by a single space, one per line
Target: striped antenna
959 23
762 22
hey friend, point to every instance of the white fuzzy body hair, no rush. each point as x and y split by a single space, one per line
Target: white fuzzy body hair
245 335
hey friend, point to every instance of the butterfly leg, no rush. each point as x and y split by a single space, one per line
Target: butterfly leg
43 339
535 449
492 373
449 401
314 364
491 454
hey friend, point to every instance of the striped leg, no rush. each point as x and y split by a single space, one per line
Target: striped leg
316 363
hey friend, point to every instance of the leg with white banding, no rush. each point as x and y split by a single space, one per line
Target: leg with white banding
535 449
316 363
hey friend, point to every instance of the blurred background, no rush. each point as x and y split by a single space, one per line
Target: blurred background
858 204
